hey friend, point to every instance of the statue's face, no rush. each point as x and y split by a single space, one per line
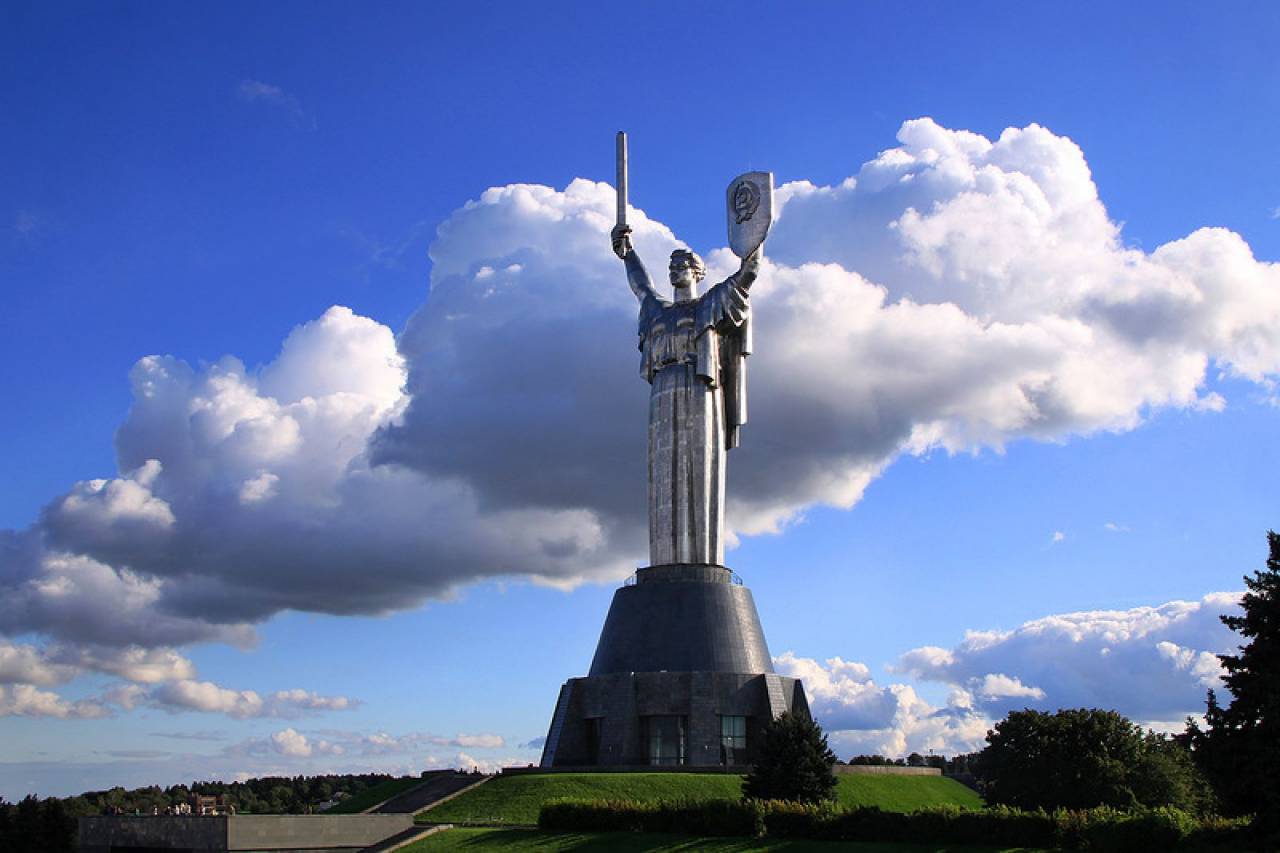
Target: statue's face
684 274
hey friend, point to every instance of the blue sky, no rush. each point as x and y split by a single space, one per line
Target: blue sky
198 183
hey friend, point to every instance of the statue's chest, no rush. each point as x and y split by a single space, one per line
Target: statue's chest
671 334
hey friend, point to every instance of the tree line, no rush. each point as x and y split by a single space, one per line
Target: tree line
35 825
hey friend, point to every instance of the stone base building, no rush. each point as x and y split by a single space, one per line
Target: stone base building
681 678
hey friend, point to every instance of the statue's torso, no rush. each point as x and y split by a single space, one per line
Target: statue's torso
670 337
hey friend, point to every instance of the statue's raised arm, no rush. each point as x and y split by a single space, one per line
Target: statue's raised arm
637 275
748 272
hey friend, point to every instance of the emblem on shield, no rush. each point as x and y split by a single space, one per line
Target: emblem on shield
750 202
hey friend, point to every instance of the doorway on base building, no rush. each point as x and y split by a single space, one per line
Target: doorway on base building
592 733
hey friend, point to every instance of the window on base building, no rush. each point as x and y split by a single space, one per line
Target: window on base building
733 740
665 739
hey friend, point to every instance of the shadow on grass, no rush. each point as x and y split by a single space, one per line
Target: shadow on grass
493 840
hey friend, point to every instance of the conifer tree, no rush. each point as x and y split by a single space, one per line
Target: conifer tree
793 762
1240 748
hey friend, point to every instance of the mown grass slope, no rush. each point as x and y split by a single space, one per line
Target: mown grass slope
369 797
517 799
905 793
502 840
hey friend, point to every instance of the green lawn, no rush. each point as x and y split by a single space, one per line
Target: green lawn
357 803
905 793
500 840
517 799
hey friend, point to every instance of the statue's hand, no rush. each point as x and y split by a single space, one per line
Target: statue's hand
751 263
621 235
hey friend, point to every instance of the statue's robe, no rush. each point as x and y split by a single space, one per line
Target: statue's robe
693 354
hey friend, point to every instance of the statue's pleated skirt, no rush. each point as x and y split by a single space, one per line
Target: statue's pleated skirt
686 469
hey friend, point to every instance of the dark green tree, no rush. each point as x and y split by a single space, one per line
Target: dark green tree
25 830
1166 774
57 828
6 839
1239 749
1081 758
793 762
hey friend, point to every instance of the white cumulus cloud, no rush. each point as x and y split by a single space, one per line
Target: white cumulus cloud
28 701
209 697
206 696
24 664
290 742
862 717
1149 663
1152 664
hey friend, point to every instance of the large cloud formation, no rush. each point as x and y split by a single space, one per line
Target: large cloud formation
1155 662
957 292
1152 663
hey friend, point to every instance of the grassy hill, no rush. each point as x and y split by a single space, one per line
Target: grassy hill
905 793
372 796
517 799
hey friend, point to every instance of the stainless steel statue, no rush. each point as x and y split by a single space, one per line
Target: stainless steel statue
694 351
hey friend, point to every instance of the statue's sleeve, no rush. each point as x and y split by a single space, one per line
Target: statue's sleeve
638 278
724 326
650 312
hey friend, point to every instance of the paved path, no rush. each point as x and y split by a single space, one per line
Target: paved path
406 838
435 788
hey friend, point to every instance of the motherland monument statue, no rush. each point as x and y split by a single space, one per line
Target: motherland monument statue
682 674
694 351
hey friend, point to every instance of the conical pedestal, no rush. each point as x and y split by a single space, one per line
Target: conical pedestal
681 678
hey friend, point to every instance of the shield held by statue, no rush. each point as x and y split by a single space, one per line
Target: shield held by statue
750 202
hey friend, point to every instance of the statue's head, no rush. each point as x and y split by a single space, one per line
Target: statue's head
687 269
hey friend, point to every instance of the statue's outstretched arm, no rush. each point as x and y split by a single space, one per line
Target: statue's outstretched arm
637 275
746 275
725 307
748 270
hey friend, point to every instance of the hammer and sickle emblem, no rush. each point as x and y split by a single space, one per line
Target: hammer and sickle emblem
746 200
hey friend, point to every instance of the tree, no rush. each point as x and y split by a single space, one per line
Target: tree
1240 748
1082 758
793 762
1166 774
962 764
57 828
25 827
